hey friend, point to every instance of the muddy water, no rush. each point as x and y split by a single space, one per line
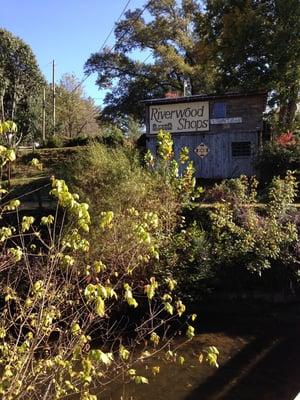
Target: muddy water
263 365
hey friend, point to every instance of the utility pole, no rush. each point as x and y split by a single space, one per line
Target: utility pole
53 93
44 115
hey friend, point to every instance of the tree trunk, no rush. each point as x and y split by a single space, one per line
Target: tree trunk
288 109
2 105
291 111
13 105
14 99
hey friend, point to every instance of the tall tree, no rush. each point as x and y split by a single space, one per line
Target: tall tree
218 45
286 58
76 114
257 46
170 38
20 81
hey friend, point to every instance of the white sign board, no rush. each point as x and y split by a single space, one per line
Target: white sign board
236 120
179 117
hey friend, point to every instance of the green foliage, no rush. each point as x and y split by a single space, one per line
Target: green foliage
20 81
6 155
179 175
37 164
118 182
76 114
8 131
59 290
275 160
8 127
54 141
238 243
239 191
133 131
242 235
77 141
112 135
215 46
188 257
54 293
176 48
245 239
257 47
211 356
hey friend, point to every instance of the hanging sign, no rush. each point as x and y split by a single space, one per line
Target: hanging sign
202 150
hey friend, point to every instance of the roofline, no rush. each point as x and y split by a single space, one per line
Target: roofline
200 97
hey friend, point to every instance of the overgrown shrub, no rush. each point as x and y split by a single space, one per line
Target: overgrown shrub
188 257
243 244
113 179
77 141
55 297
54 302
235 191
235 245
53 142
118 182
276 159
243 235
112 136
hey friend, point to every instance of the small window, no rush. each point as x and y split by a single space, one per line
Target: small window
241 149
219 110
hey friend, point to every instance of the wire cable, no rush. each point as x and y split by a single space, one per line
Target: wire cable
112 29
148 56
118 41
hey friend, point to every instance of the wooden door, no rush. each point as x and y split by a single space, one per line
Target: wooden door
242 151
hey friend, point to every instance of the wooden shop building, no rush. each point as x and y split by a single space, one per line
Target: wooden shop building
223 132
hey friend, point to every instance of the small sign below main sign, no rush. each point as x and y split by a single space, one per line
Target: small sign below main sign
236 120
202 150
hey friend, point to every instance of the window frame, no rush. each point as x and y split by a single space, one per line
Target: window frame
239 152
219 110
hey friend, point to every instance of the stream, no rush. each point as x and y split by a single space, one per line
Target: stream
259 360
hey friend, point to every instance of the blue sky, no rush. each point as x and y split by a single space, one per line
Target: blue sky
67 31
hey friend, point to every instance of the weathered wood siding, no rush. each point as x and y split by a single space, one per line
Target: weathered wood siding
222 161
219 162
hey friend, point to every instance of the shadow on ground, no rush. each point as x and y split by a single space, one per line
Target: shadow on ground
268 368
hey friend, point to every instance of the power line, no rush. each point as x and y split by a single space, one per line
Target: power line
112 29
103 44
118 41
135 19
148 56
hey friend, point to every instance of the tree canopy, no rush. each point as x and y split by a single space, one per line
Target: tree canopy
170 37
257 46
76 113
20 81
215 46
